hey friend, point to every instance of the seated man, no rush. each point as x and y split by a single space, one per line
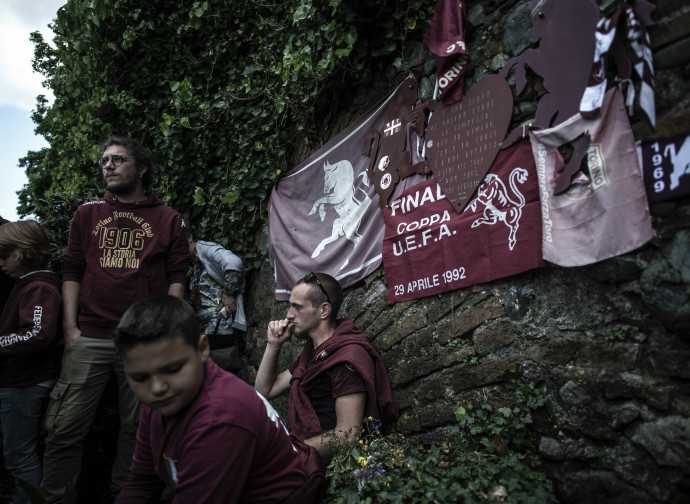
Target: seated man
338 379
204 433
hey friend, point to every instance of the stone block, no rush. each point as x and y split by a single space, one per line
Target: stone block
475 316
670 361
666 439
609 357
633 386
469 377
586 486
493 337
551 449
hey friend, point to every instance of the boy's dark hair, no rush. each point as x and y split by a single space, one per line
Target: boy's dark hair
317 296
190 230
138 152
29 240
156 318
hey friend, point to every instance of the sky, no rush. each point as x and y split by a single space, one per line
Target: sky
19 86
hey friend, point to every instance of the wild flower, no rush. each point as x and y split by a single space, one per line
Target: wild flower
370 469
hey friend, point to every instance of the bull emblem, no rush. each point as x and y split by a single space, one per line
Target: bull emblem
498 205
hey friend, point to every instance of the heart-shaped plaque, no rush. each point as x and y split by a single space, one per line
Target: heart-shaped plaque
462 139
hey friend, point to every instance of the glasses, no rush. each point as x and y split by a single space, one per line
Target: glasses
312 278
116 160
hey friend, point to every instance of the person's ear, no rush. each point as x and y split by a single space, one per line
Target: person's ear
204 347
142 170
325 310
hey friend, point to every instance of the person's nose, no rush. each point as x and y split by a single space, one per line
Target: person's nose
290 315
159 386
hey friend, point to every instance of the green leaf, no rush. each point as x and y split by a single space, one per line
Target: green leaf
199 196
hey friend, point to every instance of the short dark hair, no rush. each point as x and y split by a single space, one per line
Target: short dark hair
156 318
138 152
29 240
190 230
316 296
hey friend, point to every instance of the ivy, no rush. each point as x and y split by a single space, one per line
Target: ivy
218 92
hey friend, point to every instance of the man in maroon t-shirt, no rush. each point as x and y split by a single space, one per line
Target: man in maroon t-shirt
122 248
338 380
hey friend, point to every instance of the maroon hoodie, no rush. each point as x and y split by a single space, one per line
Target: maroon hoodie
121 253
29 331
347 345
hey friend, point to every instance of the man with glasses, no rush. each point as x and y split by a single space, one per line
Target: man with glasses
339 378
122 248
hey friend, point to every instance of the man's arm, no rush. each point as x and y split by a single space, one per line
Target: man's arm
268 385
349 412
70 309
176 289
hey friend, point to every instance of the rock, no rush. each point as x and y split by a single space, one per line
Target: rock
517 29
667 440
551 449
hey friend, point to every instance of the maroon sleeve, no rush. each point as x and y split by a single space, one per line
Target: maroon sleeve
178 261
38 318
345 380
143 485
73 259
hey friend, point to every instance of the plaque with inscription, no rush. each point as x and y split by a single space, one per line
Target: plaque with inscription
462 140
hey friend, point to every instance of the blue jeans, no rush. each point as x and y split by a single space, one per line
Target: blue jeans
20 418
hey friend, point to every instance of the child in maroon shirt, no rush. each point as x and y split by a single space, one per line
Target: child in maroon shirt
204 434
29 350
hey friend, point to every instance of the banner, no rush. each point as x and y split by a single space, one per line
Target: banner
429 248
666 167
323 216
604 212
446 39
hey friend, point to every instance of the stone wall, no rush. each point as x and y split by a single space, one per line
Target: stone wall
607 344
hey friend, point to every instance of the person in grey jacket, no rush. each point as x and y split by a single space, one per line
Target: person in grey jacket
215 291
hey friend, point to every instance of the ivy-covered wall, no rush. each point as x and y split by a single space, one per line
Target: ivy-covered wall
607 344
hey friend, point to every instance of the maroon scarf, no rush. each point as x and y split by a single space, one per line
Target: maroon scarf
347 345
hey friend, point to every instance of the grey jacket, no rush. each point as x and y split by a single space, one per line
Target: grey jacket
217 260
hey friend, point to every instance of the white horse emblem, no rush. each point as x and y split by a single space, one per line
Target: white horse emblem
340 191
498 205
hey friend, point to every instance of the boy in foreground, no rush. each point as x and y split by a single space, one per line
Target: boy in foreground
204 435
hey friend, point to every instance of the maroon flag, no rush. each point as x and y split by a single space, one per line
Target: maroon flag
446 39
324 214
429 248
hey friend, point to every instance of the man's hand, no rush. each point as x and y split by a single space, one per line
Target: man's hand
278 332
229 302
71 334
270 386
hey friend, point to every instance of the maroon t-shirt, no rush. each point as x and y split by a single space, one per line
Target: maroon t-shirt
228 445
